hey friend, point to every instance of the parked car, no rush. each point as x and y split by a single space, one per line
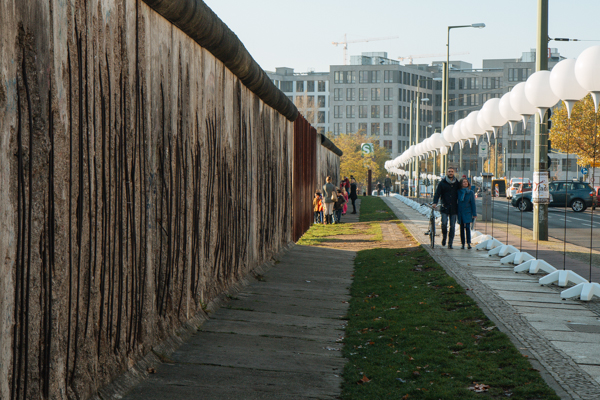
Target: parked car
597 190
514 186
577 195
524 187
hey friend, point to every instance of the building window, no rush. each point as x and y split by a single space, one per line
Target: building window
491 83
337 94
310 86
310 117
310 101
350 94
337 128
374 111
300 101
321 86
569 165
349 127
451 83
375 94
388 94
350 77
461 99
518 74
362 128
299 86
350 111
516 164
337 112
362 94
363 76
321 101
287 86
387 129
517 146
388 112
338 77
375 128
391 76
321 117
363 111
375 76
387 144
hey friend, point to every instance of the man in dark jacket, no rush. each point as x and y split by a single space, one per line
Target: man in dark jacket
447 191
388 185
353 195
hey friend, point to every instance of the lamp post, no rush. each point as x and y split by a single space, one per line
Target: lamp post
445 77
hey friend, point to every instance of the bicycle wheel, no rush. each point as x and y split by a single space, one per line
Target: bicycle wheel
432 232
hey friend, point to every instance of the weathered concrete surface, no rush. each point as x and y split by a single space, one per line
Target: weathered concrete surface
274 340
139 181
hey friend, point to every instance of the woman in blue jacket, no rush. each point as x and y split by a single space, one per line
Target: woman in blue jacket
467 211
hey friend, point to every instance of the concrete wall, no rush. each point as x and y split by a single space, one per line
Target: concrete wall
139 179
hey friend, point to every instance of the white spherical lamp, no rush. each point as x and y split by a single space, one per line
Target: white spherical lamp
520 104
539 93
587 72
447 134
564 84
508 112
491 114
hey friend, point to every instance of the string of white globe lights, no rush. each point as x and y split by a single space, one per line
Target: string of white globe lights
570 81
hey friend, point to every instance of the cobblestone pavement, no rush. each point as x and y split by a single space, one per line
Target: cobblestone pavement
555 335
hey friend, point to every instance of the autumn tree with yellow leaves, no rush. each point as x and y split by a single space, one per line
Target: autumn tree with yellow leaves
580 138
353 163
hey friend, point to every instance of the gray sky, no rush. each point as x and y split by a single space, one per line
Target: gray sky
298 34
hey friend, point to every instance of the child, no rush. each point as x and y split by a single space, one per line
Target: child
338 207
317 207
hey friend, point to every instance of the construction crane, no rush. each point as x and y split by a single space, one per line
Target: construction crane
410 58
345 43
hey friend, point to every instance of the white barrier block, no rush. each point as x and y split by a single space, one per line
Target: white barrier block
562 278
510 249
489 244
585 291
517 258
481 238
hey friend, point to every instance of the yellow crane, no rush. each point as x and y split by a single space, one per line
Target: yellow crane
410 58
345 43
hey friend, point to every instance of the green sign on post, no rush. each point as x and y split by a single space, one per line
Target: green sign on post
367 149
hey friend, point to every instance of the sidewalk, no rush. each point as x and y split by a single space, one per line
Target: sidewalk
561 338
276 339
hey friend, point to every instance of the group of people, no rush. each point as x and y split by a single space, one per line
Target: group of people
457 203
387 186
330 204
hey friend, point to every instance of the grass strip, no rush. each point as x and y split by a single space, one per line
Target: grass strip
320 234
374 209
413 333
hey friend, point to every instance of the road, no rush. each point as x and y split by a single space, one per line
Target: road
579 226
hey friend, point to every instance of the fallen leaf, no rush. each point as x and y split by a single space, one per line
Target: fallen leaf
151 370
459 344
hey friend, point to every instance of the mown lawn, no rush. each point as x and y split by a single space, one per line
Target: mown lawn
413 333
374 209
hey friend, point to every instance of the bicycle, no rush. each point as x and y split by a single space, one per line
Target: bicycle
431 231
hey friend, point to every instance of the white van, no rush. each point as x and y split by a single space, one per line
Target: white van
514 185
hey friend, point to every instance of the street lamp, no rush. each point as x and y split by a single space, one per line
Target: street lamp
445 77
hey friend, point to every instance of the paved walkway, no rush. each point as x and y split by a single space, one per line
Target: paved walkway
561 338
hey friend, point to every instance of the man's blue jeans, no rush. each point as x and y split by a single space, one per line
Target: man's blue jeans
445 227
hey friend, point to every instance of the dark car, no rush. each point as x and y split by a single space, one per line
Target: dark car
577 195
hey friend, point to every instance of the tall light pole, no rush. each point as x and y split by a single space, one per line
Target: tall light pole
540 158
445 77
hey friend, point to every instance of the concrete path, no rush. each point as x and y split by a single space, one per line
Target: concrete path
278 339
561 338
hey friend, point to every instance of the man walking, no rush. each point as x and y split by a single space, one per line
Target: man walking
447 191
328 190
388 185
